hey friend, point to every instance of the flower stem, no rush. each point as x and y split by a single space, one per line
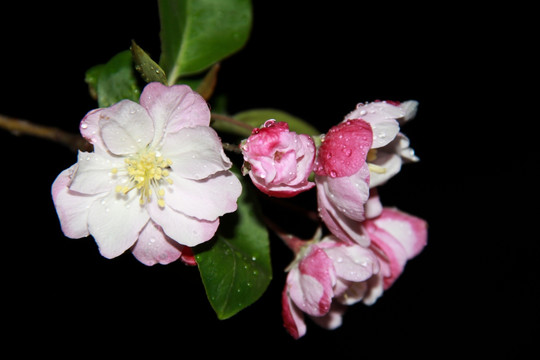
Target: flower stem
231 120
23 127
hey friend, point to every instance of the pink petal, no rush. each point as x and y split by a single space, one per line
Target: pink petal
410 231
344 149
115 222
311 283
281 191
125 127
205 199
153 246
183 229
397 237
196 153
293 319
71 207
173 108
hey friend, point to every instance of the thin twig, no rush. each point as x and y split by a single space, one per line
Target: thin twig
24 127
231 120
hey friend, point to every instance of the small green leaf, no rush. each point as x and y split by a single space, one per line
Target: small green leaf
257 117
235 266
198 33
150 71
114 81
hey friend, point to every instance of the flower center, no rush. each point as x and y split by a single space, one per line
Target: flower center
372 156
147 172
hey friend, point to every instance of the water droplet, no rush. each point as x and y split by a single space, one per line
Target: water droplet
347 151
253 258
84 125
333 173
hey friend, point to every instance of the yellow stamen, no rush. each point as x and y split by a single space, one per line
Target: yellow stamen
376 169
146 172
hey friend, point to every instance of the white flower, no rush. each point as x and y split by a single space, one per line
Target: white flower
157 180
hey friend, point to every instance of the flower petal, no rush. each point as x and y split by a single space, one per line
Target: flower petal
153 246
382 118
353 262
125 127
344 150
410 231
349 194
173 108
71 207
195 152
93 174
344 228
90 130
333 319
390 162
183 229
115 222
204 199
293 319
311 283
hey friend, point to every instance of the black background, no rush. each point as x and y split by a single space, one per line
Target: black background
473 289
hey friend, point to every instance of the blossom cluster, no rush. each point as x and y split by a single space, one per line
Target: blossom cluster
158 181
368 245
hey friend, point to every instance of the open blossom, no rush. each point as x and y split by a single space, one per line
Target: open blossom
325 277
363 151
157 180
279 161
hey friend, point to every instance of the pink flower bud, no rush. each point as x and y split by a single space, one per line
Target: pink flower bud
279 161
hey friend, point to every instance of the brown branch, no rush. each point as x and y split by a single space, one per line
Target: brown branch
23 127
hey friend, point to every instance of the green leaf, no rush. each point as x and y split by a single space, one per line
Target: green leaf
150 71
114 81
235 266
257 117
198 33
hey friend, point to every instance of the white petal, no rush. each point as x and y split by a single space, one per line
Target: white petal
181 228
126 127
93 174
391 163
71 207
153 246
195 152
409 109
204 199
116 221
383 120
